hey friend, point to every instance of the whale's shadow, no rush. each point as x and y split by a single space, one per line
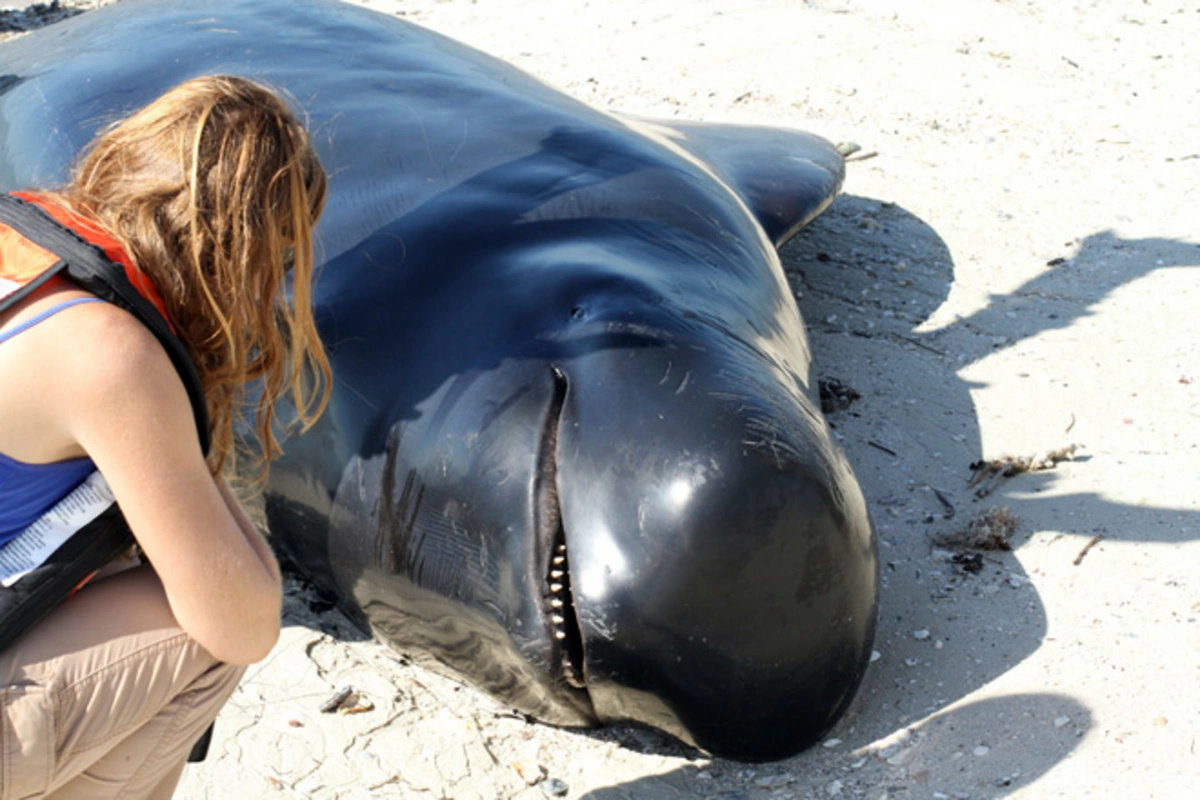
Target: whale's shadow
867 275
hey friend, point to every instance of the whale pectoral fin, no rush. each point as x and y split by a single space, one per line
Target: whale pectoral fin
785 177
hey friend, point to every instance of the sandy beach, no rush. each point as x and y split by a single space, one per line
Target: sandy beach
1009 277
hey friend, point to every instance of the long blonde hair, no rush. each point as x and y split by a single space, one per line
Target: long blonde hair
214 189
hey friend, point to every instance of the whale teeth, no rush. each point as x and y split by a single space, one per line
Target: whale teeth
563 622
571 676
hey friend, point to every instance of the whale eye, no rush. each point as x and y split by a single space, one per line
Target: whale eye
578 312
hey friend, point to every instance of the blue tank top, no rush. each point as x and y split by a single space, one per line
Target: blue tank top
27 491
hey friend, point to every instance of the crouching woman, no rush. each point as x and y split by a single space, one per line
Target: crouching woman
206 199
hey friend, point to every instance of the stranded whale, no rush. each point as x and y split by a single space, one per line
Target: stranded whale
573 452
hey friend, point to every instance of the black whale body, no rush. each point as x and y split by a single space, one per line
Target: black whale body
572 452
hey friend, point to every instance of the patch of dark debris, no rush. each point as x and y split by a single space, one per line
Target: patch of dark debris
39 15
835 395
990 530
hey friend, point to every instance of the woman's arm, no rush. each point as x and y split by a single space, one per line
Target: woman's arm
253 536
128 410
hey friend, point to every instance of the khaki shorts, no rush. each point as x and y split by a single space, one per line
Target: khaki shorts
106 696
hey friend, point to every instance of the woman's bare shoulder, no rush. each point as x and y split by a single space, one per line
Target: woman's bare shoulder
110 373
106 348
81 370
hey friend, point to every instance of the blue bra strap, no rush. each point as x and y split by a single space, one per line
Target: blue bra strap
49 312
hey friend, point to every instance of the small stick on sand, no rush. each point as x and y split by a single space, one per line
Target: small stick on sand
1091 543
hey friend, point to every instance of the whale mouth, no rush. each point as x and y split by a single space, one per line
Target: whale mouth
562 623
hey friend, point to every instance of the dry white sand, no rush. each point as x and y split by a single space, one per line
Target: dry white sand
1012 272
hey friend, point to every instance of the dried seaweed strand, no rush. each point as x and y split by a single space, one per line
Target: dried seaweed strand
989 472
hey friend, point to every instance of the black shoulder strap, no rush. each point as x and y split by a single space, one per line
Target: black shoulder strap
87 265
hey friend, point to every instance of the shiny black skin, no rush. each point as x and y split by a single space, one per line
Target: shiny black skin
548 326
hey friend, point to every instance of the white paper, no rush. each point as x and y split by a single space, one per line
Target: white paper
35 544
